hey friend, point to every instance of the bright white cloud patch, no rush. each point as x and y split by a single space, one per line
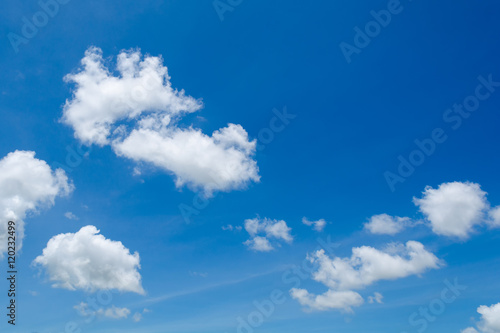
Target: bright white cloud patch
384 224
490 320
376 298
366 266
453 209
318 225
262 230
137 111
26 185
87 260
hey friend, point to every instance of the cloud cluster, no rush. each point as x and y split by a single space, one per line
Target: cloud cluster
366 266
318 225
87 260
262 230
26 185
454 209
137 112
490 320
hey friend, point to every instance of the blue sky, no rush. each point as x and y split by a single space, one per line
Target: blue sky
350 121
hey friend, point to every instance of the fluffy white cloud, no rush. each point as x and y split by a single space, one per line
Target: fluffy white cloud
453 209
318 225
26 185
87 260
490 320
366 266
343 300
137 113
384 224
260 244
268 229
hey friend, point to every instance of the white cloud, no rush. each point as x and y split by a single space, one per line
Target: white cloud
376 298
137 111
230 227
494 215
343 300
268 229
490 320
260 244
70 216
86 260
366 266
384 224
318 225
26 185
453 209
112 312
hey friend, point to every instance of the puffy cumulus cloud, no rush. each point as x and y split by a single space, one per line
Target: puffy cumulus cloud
453 209
137 111
26 185
259 244
384 224
262 230
318 225
490 320
87 260
366 266
331 299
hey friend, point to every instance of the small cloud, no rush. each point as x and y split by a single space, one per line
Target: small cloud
318 225
137 317
71 216
33 293
203 275
262 230
231 227
376 298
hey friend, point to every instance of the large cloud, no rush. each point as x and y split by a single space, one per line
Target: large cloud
453 209
137 113
366 266
26 184
87 260
490 320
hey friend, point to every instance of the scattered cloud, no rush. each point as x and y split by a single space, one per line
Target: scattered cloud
262 230
376 298
112 312
137 113
318 225
384 224
27 185
71 216
494 215
230 227
87 260
137 317
203 275
366 266
453 209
